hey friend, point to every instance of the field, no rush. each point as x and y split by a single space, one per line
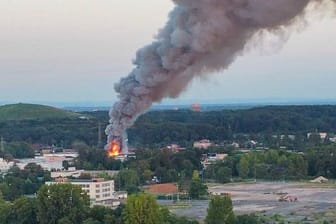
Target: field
316 202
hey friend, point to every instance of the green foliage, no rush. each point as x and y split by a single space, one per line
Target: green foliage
224 175
93 158
142 209
23 182
17 150
269 164
169 218
164 164
247 219
197 189
243 167
127 180
64 220
31 111
104 215
4 211
91 221
220 211
163 127
23 211
61 202
322 161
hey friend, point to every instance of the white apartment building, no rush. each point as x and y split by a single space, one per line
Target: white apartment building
5 166
100 192
50 164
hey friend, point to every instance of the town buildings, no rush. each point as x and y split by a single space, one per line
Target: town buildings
203 144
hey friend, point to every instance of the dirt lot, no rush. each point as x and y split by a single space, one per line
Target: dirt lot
315 201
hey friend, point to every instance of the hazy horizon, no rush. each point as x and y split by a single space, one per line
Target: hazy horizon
74 51
182 102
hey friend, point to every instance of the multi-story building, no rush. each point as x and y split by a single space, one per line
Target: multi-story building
100 192
5 165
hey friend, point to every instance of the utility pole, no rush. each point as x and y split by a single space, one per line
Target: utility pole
2 145
99 135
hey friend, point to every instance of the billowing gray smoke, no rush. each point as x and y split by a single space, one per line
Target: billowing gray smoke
201 36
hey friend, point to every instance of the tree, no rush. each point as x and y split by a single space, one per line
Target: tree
223 175
61 202
142 209
243 166
102 214
247 219
4 211
169 218
127 179
197 188
23 211
220 211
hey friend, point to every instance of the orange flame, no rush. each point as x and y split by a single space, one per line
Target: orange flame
114 149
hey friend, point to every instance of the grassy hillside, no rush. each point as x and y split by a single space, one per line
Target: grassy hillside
32 111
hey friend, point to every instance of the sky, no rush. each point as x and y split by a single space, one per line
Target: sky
75 50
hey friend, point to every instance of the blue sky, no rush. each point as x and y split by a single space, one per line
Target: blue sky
75 50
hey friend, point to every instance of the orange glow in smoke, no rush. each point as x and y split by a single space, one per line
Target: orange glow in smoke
114 149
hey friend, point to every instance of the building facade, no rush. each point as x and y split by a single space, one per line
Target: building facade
100 192
5 165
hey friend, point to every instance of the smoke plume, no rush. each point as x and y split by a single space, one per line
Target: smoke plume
200 36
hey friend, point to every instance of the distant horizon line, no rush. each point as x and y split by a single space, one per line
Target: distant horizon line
185 102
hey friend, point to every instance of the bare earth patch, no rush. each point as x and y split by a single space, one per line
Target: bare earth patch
315 201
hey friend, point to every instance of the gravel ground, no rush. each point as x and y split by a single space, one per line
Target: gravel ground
263 197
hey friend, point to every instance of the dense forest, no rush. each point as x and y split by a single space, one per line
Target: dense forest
165 126
180 126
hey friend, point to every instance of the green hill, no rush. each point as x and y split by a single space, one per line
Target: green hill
33 112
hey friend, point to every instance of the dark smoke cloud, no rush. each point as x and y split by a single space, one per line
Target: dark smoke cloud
200 36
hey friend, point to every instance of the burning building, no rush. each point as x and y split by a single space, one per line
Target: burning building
114 148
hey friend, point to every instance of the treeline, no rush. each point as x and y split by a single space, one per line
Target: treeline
60 132
17 183
269 165
17 150
182 126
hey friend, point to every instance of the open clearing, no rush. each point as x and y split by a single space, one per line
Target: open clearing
315 201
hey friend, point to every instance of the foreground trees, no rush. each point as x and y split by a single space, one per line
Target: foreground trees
61 202
21 211
220 211
142 209
23 182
